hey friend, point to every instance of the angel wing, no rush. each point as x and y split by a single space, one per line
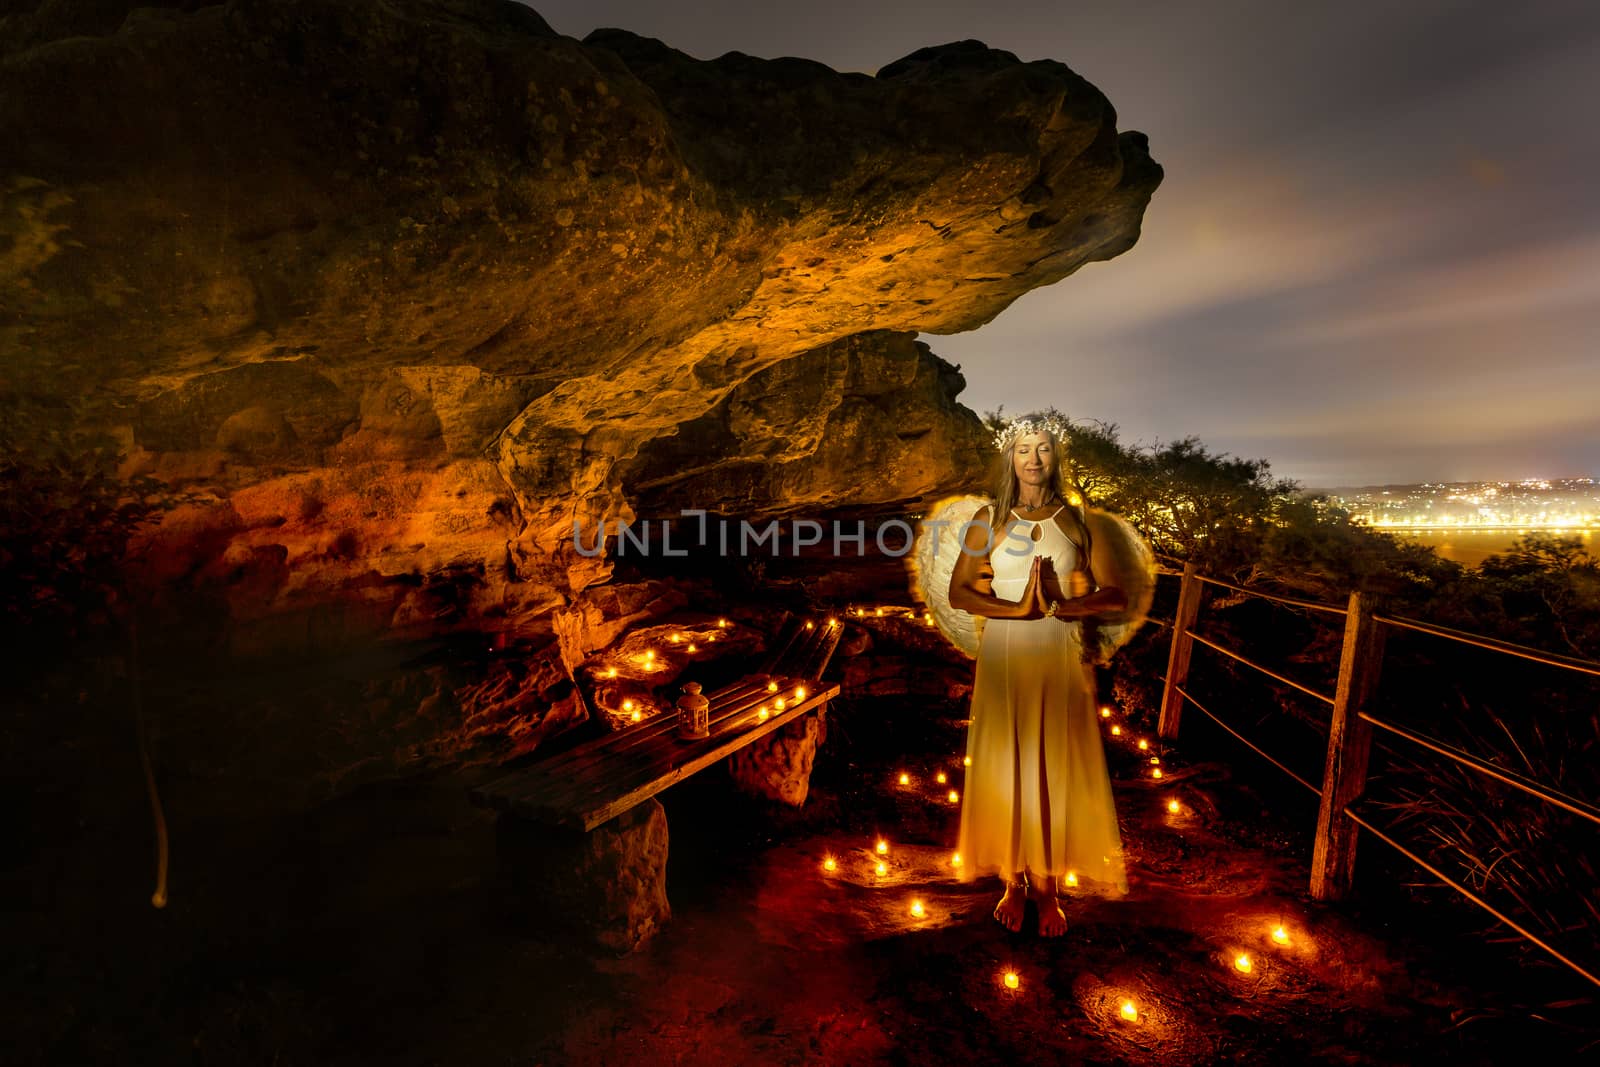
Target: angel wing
933 561
1123 558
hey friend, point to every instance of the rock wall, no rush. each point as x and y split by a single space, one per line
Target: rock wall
393 293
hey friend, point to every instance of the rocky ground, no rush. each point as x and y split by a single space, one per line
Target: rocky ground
377 928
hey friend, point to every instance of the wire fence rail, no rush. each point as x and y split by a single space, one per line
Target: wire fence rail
1350 733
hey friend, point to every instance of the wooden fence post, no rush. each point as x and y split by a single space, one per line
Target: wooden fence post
1178 658
1344 777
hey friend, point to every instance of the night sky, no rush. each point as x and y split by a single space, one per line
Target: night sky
1376 253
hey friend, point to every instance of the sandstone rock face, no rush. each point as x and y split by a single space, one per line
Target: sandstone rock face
611 883
395 293
869 419
389 296
778 766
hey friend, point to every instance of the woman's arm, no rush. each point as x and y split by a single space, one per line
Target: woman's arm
1105 600
970 585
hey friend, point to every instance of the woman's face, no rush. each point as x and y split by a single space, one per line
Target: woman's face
1034 460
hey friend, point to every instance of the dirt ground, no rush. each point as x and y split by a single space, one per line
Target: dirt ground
378 929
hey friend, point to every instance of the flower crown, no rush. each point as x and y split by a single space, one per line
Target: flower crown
1015 428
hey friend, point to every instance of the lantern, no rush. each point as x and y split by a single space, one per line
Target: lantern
694 713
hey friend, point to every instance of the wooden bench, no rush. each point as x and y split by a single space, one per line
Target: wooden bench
572 830
594 782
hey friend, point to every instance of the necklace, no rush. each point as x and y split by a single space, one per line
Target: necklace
1036 507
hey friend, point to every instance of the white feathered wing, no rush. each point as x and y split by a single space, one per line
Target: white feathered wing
933 561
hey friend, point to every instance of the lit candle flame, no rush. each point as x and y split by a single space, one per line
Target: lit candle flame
1072 878
883 868
1281 936
722 623
939 778
611 672
1243 963
627 705
1156 773
650 654
1155 761
674 638
916 908
966 761
799 692
772 687
954 796
1172 806
829 864
779 704
1105 711
883 847
905 779
1116 731
955 860
636 716
1143 745
693 648
1012 981
1129 1012
810 625
762 713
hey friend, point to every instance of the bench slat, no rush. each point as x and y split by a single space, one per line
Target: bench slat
665 749
629 736
574 787
673 765
618 750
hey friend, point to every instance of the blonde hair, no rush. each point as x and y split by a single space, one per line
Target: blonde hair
1007 488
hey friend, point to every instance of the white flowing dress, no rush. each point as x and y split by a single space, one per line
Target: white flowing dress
1038 792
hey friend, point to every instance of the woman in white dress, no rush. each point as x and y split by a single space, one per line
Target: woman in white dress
1037 804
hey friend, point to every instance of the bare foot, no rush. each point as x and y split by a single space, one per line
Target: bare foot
1009 911
1052 920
